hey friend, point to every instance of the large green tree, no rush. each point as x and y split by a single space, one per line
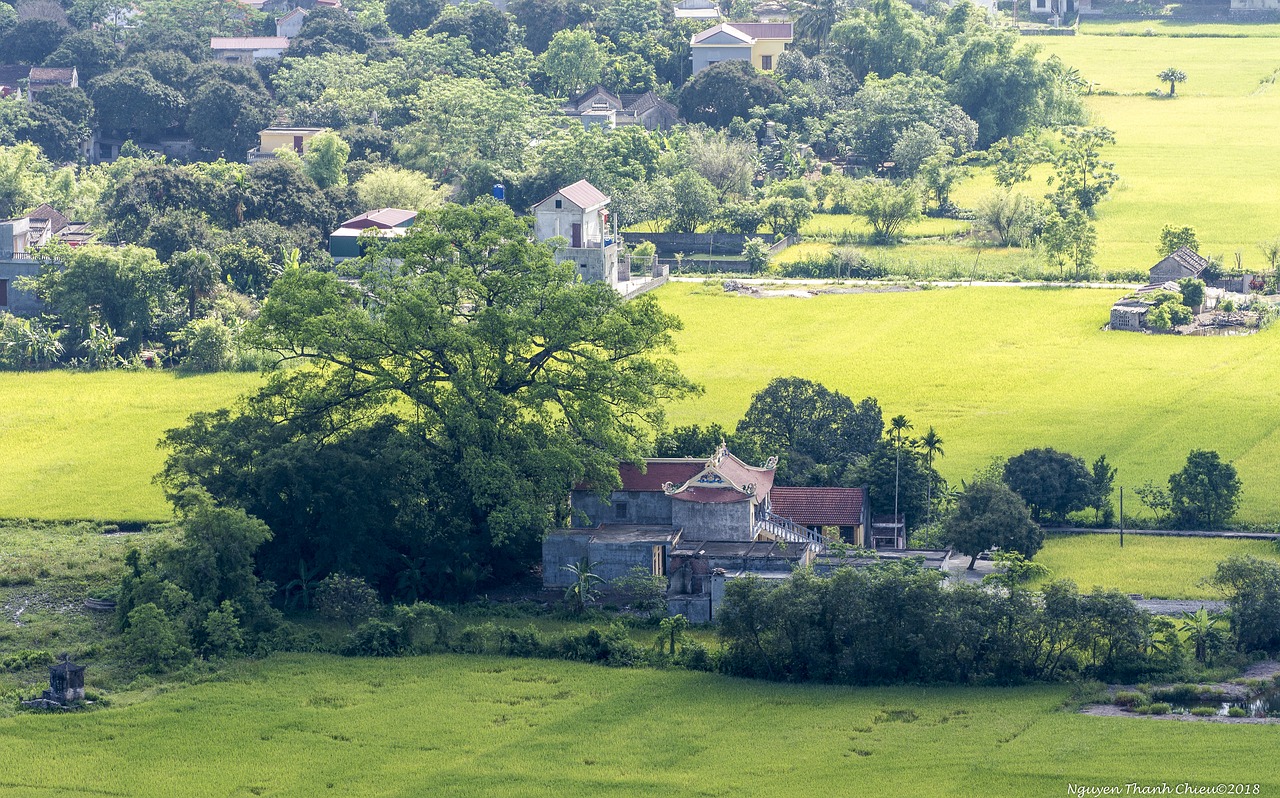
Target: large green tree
816 433
452 398
1052 483
988 515
225 118
1206 492
726 91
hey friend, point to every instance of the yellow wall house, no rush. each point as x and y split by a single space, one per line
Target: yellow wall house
760 43
273 138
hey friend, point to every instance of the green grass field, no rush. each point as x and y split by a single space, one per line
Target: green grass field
302 725
997 371
1156 567
83 445
1191 160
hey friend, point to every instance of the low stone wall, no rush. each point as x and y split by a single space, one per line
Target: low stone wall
669 244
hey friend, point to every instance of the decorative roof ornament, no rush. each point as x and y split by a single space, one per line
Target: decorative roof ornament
669 488
771 463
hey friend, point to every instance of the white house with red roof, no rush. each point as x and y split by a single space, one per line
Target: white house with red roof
577 217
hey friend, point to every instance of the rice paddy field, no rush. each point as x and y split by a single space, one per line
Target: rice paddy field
308 725
1155 567
997 371
1194 159
1198 159
79 445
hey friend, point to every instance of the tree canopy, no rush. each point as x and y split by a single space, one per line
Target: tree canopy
451 399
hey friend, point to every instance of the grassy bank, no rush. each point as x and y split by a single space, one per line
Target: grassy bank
449 725
1156 567
83 445
997 371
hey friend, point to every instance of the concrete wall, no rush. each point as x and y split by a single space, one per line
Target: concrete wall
20 303
770 47
704 57
560 548
595 264
550 221
729 521
610 560
698 608
643 508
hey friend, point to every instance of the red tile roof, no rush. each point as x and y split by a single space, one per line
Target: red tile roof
743 474
658 472
818 506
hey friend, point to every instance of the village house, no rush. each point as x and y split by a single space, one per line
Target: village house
244 50
345 242
19 238
708 10
274 138
757 43
702 522
290 25
41 78
1131 312
598 106
580 214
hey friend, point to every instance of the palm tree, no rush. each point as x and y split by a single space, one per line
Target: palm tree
817 19
897 426
931 442
582 592
196 272
1201 628
1173 76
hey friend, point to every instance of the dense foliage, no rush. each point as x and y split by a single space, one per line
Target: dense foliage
895 622
452 394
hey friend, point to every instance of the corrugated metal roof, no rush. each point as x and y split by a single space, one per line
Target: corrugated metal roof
818 506
383 217
584 195
248 43
766 30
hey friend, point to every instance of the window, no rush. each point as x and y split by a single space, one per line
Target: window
4 293
619 511
766 62
559 204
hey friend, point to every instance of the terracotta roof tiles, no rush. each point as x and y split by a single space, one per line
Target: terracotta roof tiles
818 506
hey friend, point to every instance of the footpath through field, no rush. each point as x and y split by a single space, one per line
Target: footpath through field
1169 533
956 567
803 281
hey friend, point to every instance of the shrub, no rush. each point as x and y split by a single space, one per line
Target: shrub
1177 693
1129 699
154 641
25 658
346 598
1204 712
375 638
1237 712
1158 709
209 346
